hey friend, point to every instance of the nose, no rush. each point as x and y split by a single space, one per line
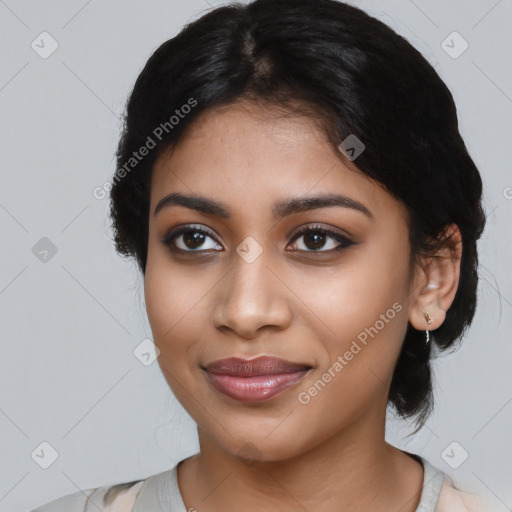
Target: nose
252 298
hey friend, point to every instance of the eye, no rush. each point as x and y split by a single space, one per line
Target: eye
194 238
317 237
190 238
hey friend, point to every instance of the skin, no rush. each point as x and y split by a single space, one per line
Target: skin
290 302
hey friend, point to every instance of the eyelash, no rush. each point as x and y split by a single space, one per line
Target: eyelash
343 241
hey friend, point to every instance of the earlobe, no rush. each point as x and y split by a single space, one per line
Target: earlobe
428 318
439 280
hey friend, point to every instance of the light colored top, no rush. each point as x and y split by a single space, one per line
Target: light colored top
160 493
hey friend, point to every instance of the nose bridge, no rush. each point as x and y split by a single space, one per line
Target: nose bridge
249 280
251 296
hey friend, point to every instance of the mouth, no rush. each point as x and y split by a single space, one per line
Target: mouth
254 380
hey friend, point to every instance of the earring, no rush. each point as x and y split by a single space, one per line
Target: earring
428 318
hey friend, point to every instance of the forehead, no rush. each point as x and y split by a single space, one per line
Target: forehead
249 156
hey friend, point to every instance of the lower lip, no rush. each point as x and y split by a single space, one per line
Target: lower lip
254 389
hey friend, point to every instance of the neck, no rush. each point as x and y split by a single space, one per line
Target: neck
354 469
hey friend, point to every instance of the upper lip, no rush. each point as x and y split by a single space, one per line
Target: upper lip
263 365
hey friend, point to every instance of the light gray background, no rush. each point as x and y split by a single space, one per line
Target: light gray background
70 325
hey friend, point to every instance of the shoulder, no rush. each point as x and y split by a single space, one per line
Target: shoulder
452 499
113 498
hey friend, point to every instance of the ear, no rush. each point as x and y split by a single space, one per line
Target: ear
436 282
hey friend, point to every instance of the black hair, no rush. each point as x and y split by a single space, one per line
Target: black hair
333 62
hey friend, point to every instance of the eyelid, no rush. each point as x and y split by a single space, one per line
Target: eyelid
342 239
170 235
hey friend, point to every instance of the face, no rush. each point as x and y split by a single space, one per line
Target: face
261 269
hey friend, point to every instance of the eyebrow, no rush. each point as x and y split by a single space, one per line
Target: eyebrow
280 209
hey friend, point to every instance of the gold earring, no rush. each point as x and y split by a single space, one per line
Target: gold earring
428 318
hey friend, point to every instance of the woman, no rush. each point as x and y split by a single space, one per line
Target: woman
293 185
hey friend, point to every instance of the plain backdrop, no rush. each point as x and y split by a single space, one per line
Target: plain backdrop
74 397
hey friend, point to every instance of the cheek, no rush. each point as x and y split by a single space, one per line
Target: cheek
175 312
367 323
350 301
361 310
173 303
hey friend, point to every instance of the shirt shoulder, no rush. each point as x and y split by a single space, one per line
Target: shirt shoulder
452 499
113 498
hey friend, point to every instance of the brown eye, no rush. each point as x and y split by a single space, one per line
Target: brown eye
193 239
190 239
319 239
314 241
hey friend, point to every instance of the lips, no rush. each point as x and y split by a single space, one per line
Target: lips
253 380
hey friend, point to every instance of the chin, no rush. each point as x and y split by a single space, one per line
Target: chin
253 447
